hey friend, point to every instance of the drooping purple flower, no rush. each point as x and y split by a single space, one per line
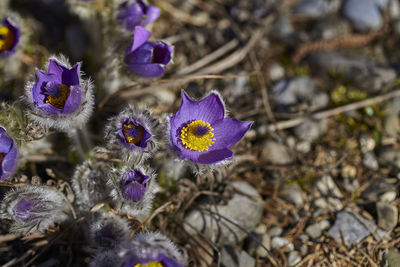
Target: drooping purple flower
137 13
9 37
8 155
200 132
134 185
60 98
147 59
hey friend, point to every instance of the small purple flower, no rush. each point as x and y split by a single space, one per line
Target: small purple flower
133 134
8 155
200 132
9 37
147 59
133 185
137 13
60 98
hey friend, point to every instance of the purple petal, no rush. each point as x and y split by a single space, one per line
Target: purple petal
66 76
17 34
147 70
130 16
74 99
162 53
228 132
207 157
141 35
22 210
5 141
9 162
152 13
142 55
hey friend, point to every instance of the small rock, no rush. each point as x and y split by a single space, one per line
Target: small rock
351 228
261 229
349 171
275 231
351 185
327 186
231 257
387 216
391 125
276 72
369 161
388 197
393 258
303 147
300 91
315 230
277 153
364 14
304 249
294 258
266 241
252 244
367 143
282 29
243 209
378 188
316 8
293 194
389 156
394 9
331 28
311 130
280 242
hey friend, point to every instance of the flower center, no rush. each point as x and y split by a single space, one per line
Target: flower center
197 135
58 101
2 155
6 38
133 133
150 264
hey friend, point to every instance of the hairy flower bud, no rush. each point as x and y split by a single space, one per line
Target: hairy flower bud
8 155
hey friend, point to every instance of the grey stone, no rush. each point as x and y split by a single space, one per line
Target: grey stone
315 230
282 28
243 209
378 188
300 90
277 153
387 216
303 147
327 188
280 242
391 125
351 228
389 157
363 72
231 257
316 8
369 161
331 28
364 14
294 258
393 258
275 231
293 194
276 72
311 130
394 9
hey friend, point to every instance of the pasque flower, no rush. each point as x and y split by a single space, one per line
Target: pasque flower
60 98
137 13
200 132
9 37
8 155
147 59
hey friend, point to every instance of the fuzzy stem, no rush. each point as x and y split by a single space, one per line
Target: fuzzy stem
82 142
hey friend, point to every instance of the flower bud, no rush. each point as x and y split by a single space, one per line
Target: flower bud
8 155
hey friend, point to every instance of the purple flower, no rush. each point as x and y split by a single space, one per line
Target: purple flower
60 98
147 59
8 155
134 185
136 13
9 37
200 132
133 132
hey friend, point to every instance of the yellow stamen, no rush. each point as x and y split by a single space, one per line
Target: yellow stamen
6 38
191 138
135 140
150 264
59 100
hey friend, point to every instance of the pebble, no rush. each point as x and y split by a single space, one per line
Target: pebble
280 242
331 27
370 161
311 130
367 143
276 72
275 231
349 171
236 258
378 188
266 241
303 147
391 125
315 230
294 258
293 194
277 153
388 196
244 209
389 156
387 216
364 14
392 258
349 226
282 29
316 8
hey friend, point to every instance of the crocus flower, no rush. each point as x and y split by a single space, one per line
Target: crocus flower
152 249
137 13
200 132
133 132
33 208
60 98
133 190
8 155
147 59
9 37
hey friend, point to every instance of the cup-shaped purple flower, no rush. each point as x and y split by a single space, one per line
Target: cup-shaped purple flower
200 132
8 155
147 59
133 132
33 208
136 13
60 98
133 190
9 37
